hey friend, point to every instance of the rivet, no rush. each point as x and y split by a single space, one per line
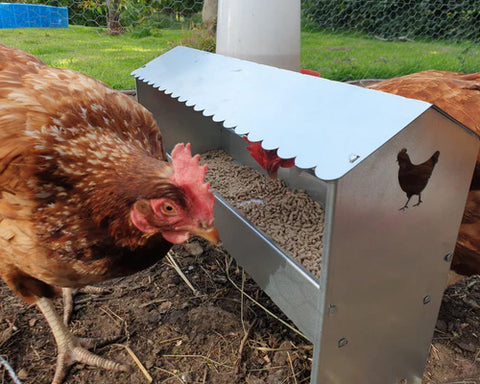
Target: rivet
342 342
354 158
426 299
448 256
332 309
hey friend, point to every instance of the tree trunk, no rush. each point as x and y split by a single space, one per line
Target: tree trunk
209 14
113 17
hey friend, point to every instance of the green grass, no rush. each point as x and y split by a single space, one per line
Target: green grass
352 57
336 56
92 51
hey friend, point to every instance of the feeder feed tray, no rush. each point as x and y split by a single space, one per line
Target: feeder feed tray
382 174
291 219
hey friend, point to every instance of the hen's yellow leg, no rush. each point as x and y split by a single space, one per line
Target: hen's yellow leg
70 348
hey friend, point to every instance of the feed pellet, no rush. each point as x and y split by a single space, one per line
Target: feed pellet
291 219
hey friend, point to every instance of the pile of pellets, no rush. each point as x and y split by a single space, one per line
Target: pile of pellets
291 219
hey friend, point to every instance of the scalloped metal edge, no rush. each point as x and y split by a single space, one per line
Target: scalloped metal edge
254 134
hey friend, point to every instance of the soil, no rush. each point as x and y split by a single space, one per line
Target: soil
216 336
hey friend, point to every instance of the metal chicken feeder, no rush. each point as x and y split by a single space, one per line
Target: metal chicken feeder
372 313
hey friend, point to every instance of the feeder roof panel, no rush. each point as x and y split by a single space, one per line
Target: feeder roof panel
324 124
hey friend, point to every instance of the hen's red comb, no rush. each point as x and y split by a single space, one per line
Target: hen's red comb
258 153
267 158
187 167
190 175
310 72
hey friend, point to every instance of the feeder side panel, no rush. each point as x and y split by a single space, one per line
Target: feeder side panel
386 267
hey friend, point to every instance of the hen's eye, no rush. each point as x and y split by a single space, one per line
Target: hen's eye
168 209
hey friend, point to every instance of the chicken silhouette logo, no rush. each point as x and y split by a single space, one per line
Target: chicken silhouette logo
413 178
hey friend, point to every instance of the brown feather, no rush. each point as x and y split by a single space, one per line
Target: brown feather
458 94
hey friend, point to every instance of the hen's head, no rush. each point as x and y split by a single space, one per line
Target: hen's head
267 158
185 205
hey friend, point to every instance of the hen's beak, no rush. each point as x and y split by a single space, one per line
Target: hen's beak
210 234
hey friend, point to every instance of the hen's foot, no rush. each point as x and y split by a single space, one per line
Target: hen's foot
76 352
72 349
69 294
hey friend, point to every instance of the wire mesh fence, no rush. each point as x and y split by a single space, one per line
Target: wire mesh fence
397 19
391 37
342 39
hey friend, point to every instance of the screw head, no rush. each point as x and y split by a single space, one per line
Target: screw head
332 308
426 299
342 342
448 256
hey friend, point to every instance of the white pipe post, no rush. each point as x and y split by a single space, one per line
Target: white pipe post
264 31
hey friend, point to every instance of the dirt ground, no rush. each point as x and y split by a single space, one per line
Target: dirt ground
216 336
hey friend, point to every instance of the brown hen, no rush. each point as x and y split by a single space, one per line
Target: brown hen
466 260
458 94
86 191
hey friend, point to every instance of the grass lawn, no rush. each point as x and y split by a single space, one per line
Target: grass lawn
92 51
352 57
335 56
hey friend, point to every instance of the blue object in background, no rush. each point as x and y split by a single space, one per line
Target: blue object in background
42 17
14 15
7 19
58 17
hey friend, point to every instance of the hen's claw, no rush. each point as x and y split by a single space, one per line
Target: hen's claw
75 353
72 349
69 293
96 342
